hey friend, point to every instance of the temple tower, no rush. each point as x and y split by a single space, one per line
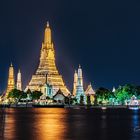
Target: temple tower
75 83
80 94
11 81
47 67
19 83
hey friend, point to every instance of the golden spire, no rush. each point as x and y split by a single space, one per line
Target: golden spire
47 66
47 38
11 81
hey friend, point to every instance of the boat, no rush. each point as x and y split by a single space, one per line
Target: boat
133 107
103 108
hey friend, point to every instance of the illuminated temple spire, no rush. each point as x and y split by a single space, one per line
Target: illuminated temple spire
75 83
47 37
80 89
19 83
11 81
47 67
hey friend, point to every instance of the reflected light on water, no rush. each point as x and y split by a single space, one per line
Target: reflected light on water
37 124
70 124
9 125
135 125
51 124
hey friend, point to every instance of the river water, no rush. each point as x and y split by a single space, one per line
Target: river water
69 124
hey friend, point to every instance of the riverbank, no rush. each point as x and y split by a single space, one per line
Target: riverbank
66 106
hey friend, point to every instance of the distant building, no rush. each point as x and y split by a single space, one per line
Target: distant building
80 94
19 82
91 93
11 80
75 83
59 97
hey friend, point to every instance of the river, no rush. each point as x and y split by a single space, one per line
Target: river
69 124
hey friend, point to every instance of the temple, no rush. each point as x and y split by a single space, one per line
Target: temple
75 83
19 83
11 80
80 94
91 93
47 68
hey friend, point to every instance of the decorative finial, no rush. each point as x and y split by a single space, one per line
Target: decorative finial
48 24
19 71
11 64
79 66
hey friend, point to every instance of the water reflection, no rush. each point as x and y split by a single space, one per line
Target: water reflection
9 125
70 124
38 124
51 124
135 125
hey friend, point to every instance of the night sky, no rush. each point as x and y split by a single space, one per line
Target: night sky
101 35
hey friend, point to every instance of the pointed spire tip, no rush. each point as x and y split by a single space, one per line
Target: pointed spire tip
11 64
18 70
48 24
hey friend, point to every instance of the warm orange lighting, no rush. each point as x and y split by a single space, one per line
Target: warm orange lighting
11 81
47 66
51 125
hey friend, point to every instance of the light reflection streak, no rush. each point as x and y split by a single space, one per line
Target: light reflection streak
51 124
37 124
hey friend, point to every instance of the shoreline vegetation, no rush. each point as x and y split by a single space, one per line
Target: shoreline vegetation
123 97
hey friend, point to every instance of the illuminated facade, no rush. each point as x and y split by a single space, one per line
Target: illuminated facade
80 94
11 80
91 93
19 82
47 67
75 83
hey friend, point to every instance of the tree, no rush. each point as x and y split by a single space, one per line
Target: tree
73 100
103 95
23 95
81 100
36 95
67 100
124 93
14 93
28 91
48 98
138 91
29 94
